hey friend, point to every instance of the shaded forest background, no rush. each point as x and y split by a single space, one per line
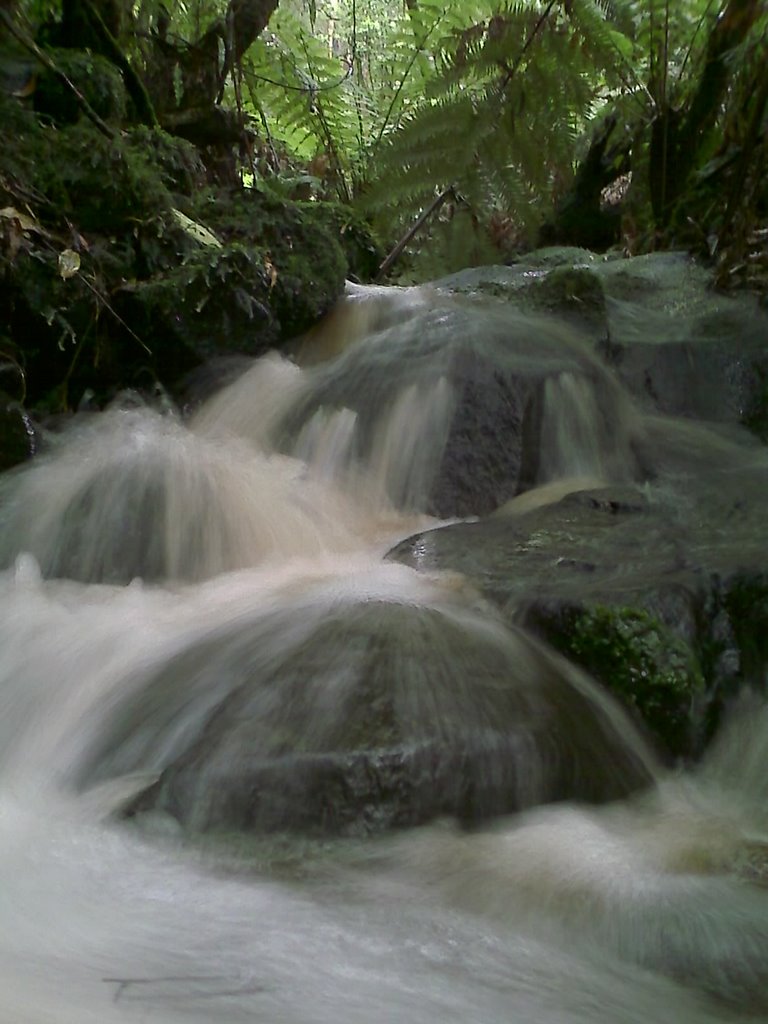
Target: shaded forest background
199 178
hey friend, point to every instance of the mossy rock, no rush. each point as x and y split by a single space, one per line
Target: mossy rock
104 185
217 301
62 328
98 184
151 297
45 313
97 79
639 660
363 253
550 256
178 161
311 271
568 290
31 142
306 260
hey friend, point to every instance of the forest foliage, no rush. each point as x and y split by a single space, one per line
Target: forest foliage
637 123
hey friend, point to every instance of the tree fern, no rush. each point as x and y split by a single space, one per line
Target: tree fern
305 94
513 89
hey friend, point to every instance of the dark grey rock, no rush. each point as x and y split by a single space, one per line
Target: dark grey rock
481 374
364 716
660 571
18 435
680 347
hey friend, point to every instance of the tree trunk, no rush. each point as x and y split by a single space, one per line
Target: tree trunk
677 138
245 20
97 25
580 218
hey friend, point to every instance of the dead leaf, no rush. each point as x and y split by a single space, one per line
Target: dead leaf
25 223
27 88
271 273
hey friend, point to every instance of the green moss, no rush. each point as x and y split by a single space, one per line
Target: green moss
362 252
97 79
559 256
570 289
105 185
177 160
641 661
306 262
217 300
102 197
145 279
30 147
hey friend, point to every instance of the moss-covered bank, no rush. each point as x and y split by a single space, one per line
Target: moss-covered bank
122 265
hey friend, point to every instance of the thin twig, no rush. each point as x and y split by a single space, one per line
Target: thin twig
115 314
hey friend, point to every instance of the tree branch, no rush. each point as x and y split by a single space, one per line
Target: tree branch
423 217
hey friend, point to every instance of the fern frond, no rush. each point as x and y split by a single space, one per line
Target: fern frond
512 92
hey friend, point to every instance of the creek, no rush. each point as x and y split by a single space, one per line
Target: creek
255 768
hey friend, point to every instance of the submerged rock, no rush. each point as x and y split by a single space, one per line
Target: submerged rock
453 407
353 716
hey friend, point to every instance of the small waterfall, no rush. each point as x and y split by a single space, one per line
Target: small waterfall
326 443
587 430
135 493
407 443
364 310
254 404
402 455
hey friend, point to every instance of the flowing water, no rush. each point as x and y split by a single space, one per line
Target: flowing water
181 598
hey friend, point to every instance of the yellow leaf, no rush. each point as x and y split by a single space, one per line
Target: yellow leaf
271 272
69 263
199 232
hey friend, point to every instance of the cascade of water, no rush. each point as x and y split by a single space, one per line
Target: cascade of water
587 430
197 628
137 494
254 403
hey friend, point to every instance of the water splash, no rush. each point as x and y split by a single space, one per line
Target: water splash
135 493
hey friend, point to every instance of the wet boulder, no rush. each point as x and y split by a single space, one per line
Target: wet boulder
679 346
646 590
352 716
468 392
